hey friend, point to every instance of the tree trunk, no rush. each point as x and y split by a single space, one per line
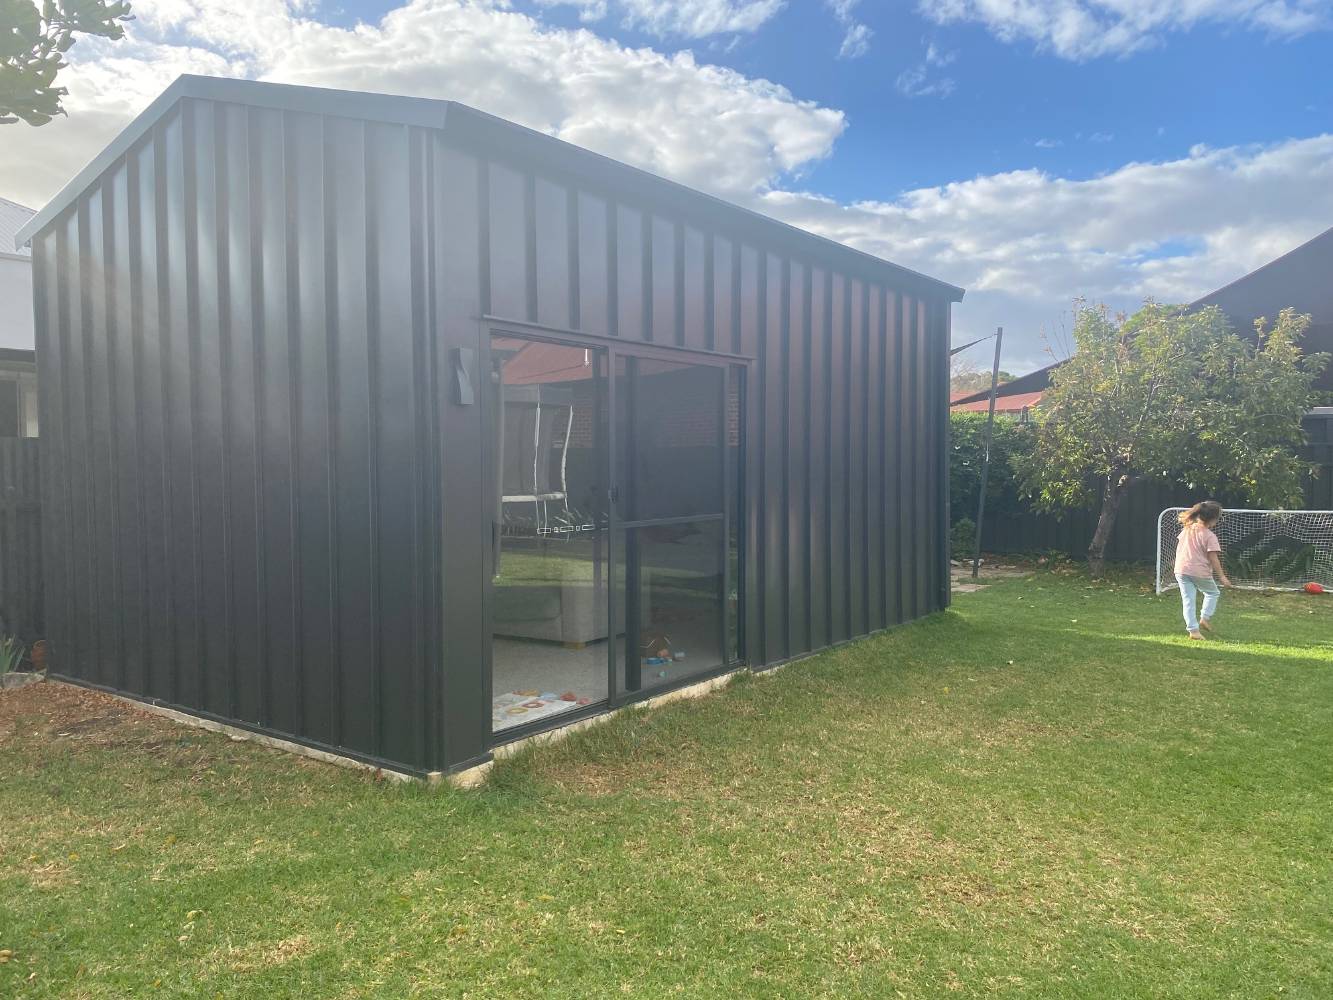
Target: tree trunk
1111 497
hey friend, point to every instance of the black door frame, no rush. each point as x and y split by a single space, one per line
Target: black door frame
620 528
611 349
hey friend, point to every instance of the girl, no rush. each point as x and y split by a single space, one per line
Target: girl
1199 563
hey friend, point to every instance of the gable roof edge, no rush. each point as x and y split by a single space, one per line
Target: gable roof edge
462 123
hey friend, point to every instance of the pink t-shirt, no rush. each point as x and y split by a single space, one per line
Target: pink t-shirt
1192 550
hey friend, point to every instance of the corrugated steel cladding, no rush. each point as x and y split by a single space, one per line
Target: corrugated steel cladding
260 493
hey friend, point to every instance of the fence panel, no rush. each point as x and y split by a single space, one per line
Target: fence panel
20 539
1135 536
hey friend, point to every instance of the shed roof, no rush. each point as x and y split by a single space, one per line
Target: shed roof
13 217
476 129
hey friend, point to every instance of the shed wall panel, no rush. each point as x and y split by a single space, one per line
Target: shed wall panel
594 248
266 503
874 459
817 448
797 471
234 427
858 585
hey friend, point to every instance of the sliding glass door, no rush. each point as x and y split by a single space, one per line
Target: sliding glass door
615 552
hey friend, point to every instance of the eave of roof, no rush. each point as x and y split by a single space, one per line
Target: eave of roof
468 125
1203 300
13 217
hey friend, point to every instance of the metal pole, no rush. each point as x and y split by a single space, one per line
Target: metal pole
985 452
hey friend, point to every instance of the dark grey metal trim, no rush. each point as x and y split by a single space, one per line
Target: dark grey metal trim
659 522
666 352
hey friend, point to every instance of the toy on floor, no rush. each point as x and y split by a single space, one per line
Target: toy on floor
655 646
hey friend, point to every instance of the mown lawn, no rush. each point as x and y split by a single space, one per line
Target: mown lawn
1046 792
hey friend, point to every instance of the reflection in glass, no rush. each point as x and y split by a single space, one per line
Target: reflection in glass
549 542
669 422
674 618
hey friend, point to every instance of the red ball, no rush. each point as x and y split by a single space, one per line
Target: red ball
1314 588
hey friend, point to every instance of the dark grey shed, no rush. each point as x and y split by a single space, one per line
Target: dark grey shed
267 321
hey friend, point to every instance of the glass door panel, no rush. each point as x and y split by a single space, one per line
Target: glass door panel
673 600
670 537
671 434
550 534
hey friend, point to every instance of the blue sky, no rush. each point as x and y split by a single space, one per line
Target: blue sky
1034 151
1222 85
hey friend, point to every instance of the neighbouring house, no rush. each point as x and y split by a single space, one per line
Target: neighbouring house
1015 398
1011 398
398 430
1302 279
18 368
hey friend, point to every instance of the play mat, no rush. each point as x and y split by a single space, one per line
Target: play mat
516 708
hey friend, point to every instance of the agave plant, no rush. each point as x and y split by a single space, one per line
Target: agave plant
11 654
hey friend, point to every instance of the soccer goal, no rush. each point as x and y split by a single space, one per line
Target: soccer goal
1261 549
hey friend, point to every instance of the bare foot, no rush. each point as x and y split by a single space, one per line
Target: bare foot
1205 624
1196 635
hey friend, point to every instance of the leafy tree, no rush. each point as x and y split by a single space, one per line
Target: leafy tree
1172 395
1009 440
33 42
975 380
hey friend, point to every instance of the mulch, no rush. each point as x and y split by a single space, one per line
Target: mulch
52 712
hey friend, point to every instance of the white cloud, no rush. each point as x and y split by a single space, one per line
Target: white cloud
1048 143
936 56
856 35
590 11
1101 137
1024 243
856 42
918 80
1086 29
707 126
684 18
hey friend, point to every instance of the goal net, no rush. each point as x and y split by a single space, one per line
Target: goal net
1261 549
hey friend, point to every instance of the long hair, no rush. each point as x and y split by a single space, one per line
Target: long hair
1203 512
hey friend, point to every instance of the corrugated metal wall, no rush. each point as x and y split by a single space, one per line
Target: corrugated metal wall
845 479
20 539
260 493
238 417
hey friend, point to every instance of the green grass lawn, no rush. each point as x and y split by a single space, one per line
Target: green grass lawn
1046 792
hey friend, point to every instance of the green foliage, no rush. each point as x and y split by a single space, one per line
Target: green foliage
12 652
975 381
33 43
1009 441
963 537
1178 396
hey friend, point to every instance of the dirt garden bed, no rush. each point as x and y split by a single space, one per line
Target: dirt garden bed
52 712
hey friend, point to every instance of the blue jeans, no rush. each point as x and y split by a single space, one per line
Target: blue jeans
1190 587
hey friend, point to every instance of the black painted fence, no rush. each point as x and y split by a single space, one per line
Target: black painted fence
20 539
1135 535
